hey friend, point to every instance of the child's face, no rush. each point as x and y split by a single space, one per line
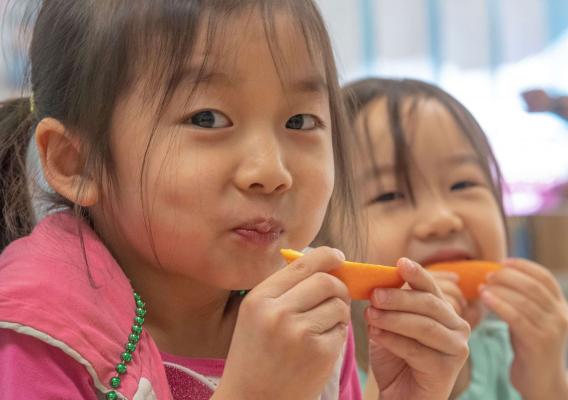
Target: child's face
244 169
455 215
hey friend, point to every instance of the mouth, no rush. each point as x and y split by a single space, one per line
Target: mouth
446 255
260 231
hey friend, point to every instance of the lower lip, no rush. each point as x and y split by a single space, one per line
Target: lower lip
258 238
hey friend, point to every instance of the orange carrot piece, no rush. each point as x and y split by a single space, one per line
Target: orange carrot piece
472 273
360 278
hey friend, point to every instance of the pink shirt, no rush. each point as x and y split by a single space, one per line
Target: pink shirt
52 328
32 369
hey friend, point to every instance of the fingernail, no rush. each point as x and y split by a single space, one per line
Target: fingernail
486 297
509 262
340 254
410 265
381 295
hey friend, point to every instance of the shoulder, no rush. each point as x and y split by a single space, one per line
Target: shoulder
36 361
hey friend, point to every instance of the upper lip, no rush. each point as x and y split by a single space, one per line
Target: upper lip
262 225
446 255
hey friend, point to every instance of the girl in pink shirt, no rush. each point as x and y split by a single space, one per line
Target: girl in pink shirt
190 141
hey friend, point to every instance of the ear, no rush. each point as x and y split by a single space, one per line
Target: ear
62 161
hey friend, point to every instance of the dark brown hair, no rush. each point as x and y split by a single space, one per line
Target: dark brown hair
398 95
85 54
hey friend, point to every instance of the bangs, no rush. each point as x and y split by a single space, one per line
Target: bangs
403 99
168 40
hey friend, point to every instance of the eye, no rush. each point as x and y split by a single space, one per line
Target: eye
463 185
303 122
387 197
210 119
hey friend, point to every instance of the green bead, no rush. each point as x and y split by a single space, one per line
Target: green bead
133 338
136 296
121 369
140 312
126 357
112 395
115 382
130 347
139 320
137 329
140 303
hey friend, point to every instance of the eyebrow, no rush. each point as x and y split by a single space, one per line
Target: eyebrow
453 160
195 76
310 84
377 170
460 159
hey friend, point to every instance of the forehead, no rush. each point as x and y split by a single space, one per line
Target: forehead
247 45
429 129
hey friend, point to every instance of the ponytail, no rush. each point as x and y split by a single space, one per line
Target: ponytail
16 121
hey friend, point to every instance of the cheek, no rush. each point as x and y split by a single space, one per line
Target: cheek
490 233
385 243
313 184
497 248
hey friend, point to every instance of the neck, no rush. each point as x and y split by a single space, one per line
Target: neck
185 317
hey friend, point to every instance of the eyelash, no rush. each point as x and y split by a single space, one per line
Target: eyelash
462 185
387 197
190 120
318 123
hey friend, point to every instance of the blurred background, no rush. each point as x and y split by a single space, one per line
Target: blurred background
484 52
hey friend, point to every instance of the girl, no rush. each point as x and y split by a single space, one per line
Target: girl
193 139
431 190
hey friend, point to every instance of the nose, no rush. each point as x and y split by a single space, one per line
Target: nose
262 169
436 220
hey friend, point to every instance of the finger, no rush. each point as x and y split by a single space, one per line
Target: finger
424 330
538 272
419 357
314 290
326 316
416 302
452 294
523 306
523 283
417 277
444 275
333 338
473 313
322 259
521 326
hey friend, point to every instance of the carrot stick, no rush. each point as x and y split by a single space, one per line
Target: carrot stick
472 274
360 278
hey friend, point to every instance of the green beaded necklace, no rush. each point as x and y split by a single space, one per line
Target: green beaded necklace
133 339
130 347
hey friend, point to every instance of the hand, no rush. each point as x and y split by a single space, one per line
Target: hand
527 297
417 342
289 333
472 311
537 100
